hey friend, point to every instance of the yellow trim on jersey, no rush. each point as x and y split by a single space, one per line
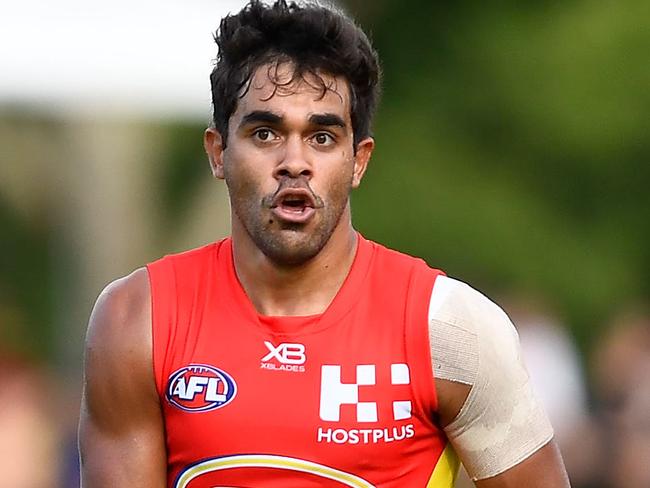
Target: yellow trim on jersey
268 461
444 474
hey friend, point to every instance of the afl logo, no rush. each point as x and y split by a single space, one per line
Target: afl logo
200 388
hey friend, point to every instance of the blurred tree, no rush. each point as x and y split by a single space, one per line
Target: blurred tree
27 288
513 146
25 285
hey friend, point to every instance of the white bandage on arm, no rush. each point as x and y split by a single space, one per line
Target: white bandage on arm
473 342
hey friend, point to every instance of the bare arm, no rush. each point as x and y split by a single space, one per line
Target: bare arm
121 432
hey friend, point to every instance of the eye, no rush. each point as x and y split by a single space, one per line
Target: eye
263 135
323 139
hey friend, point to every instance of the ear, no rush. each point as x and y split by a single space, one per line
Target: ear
361 158
213 144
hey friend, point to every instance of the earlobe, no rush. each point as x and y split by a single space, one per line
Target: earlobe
361 159
213 144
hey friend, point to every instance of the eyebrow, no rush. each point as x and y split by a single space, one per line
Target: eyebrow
268 117
327 119
258 116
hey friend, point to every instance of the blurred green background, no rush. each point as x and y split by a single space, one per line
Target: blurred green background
513 151
514 147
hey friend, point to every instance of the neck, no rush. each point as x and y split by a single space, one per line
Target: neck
304 289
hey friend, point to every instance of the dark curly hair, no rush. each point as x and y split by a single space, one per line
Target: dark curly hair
314 39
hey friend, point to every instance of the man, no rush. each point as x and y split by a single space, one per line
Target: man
296 353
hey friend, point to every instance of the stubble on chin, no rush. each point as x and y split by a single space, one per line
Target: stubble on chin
288 244
291 244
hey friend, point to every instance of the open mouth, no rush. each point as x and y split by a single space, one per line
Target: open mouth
293 205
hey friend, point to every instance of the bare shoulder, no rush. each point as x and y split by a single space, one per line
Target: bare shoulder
118 358
121 311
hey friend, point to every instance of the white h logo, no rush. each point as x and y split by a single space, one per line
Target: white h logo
333 393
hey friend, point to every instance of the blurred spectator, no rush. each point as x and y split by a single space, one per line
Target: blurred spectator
556 372
621 369
29 454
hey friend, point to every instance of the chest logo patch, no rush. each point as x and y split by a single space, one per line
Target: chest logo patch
200 388
334 393
363 402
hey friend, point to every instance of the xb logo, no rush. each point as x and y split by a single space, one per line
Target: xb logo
290 356
285 353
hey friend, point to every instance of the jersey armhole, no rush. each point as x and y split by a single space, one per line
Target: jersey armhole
418 352
162 280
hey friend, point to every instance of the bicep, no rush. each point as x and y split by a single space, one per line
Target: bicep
121 433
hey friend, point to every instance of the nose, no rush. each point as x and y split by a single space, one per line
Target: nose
294 162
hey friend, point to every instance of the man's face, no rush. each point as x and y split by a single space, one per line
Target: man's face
289 163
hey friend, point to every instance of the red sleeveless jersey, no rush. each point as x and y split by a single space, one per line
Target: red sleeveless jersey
342 399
